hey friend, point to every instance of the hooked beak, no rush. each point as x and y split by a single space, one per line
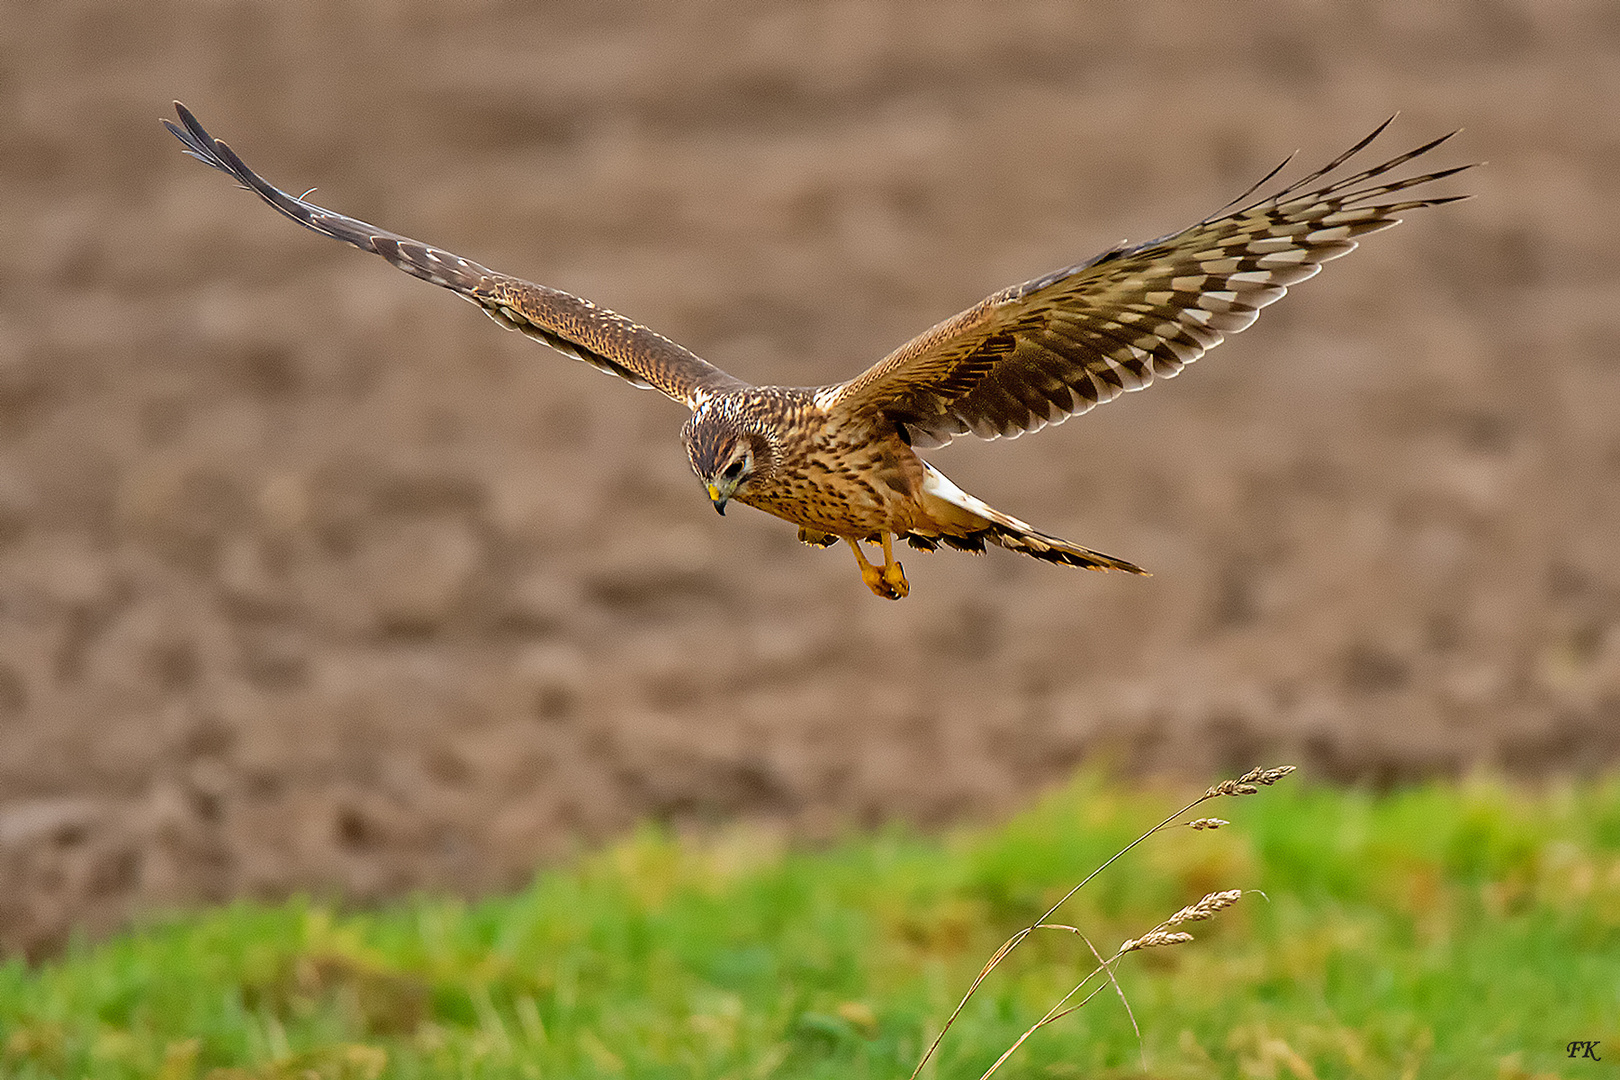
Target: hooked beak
718 499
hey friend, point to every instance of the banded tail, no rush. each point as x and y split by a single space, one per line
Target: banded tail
967 524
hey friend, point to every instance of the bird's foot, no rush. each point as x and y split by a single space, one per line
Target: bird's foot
888 580
894 579
877 580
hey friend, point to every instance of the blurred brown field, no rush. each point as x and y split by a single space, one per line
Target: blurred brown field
311 578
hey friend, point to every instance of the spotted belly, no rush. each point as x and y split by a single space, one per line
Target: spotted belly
856 492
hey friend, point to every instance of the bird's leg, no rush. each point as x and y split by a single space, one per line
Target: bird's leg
877 580
869 573
893 576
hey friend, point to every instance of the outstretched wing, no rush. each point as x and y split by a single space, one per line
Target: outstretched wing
602 338
1040 352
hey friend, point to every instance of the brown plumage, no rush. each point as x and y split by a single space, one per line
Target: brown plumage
840 461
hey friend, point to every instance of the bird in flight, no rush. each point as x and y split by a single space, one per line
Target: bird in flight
841 461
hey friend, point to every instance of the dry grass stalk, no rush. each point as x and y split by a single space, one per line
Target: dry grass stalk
1162 935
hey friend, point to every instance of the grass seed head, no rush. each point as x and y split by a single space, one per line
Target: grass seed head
1205 908
1207 823
1155 938
1250 782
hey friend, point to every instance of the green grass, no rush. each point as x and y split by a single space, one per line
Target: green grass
1441 931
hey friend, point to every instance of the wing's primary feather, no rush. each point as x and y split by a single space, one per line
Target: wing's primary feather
574 326
1054 347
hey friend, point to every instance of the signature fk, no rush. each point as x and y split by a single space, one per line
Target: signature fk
1584 1049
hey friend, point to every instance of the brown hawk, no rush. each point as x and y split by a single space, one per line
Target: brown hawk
841 461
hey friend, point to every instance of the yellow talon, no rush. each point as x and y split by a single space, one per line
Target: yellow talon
889 581
894 577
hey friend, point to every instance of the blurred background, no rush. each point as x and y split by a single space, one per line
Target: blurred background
311 578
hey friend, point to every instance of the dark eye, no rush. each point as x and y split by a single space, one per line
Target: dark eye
734 470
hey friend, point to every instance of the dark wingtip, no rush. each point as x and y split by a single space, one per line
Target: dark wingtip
194 140
1453 171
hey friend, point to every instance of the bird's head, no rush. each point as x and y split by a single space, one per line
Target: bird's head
726 454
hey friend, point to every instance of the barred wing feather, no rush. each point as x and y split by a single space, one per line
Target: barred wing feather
574 326
1040 352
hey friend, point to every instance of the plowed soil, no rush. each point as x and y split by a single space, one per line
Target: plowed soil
311 578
